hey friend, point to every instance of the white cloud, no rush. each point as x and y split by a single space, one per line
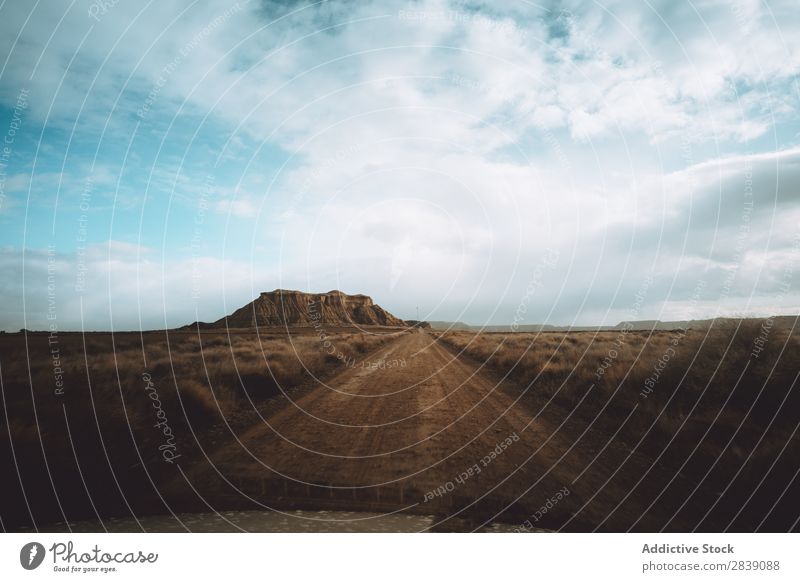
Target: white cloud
118 285
438 152
242 208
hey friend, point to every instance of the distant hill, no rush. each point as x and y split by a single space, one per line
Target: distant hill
453 325
784 322
779 322
284 307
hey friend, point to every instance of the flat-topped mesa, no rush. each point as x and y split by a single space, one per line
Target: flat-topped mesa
283 307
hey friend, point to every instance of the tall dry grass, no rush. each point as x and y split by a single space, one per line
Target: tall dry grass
97 446
716 408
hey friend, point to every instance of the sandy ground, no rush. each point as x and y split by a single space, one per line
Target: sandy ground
435 436
293 521
412 429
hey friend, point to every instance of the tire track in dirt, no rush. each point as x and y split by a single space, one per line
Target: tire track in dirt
435 436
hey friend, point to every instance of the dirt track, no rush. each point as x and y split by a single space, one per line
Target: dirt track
424 438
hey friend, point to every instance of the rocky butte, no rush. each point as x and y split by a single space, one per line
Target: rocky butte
284 307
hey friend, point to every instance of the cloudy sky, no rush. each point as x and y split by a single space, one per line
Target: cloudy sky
559 162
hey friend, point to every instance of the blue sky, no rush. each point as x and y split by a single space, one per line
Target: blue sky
172 161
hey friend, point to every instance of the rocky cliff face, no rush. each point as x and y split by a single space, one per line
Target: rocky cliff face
295 308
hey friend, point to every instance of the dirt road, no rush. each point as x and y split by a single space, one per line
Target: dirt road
418 429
